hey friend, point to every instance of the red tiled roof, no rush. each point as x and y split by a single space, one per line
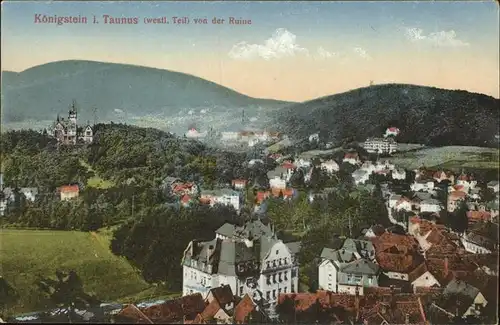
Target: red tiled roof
457 195
239 181
192 304
417 272
403 199
210 310
401 263
182 187
175 310
387 240
393 129
243 310
380 291
261 196
132 314
69 189
350 155
410 306
463 177
303 301
288 165
475 216
185 198
205 200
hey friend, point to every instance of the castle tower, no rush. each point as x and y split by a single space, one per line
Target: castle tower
72 114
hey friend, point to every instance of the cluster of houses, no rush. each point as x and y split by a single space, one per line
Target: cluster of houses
250 138
8 195
402 264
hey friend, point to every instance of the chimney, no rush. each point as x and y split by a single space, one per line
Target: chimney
446 270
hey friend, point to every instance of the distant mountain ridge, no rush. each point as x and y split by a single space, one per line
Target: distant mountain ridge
43 91
424 115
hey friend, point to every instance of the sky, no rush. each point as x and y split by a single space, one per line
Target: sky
291 50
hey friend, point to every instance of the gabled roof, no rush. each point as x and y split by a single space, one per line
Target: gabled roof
226 229
69 189
210 310
223 294
175 310
361 266
132 314
461 287
401 263
243 309
417 272
457 195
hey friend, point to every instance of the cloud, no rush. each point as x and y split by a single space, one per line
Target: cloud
441 39
282 44
362 53
321 53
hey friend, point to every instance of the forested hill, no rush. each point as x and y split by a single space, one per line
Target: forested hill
43 91
120 153
423 114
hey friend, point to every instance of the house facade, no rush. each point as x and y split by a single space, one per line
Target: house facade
69 192
349 269
380 145
250 259
226 197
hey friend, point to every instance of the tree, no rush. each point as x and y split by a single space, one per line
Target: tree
8 294
67 292
459 221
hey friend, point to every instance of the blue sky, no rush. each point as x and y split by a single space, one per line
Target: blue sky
418 32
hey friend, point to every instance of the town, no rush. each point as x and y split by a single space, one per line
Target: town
339 235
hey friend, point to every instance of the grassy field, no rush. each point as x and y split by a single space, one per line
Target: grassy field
96 181
27 254
452 158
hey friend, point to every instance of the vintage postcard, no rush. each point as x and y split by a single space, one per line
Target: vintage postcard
249 162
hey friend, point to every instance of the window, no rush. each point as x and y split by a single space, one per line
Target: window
329 287
279 277
293 288
286 290
477 306
241 290
349 277
286 275
277 252
274 278
268 278
329 275
279 291
268 295
274 293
